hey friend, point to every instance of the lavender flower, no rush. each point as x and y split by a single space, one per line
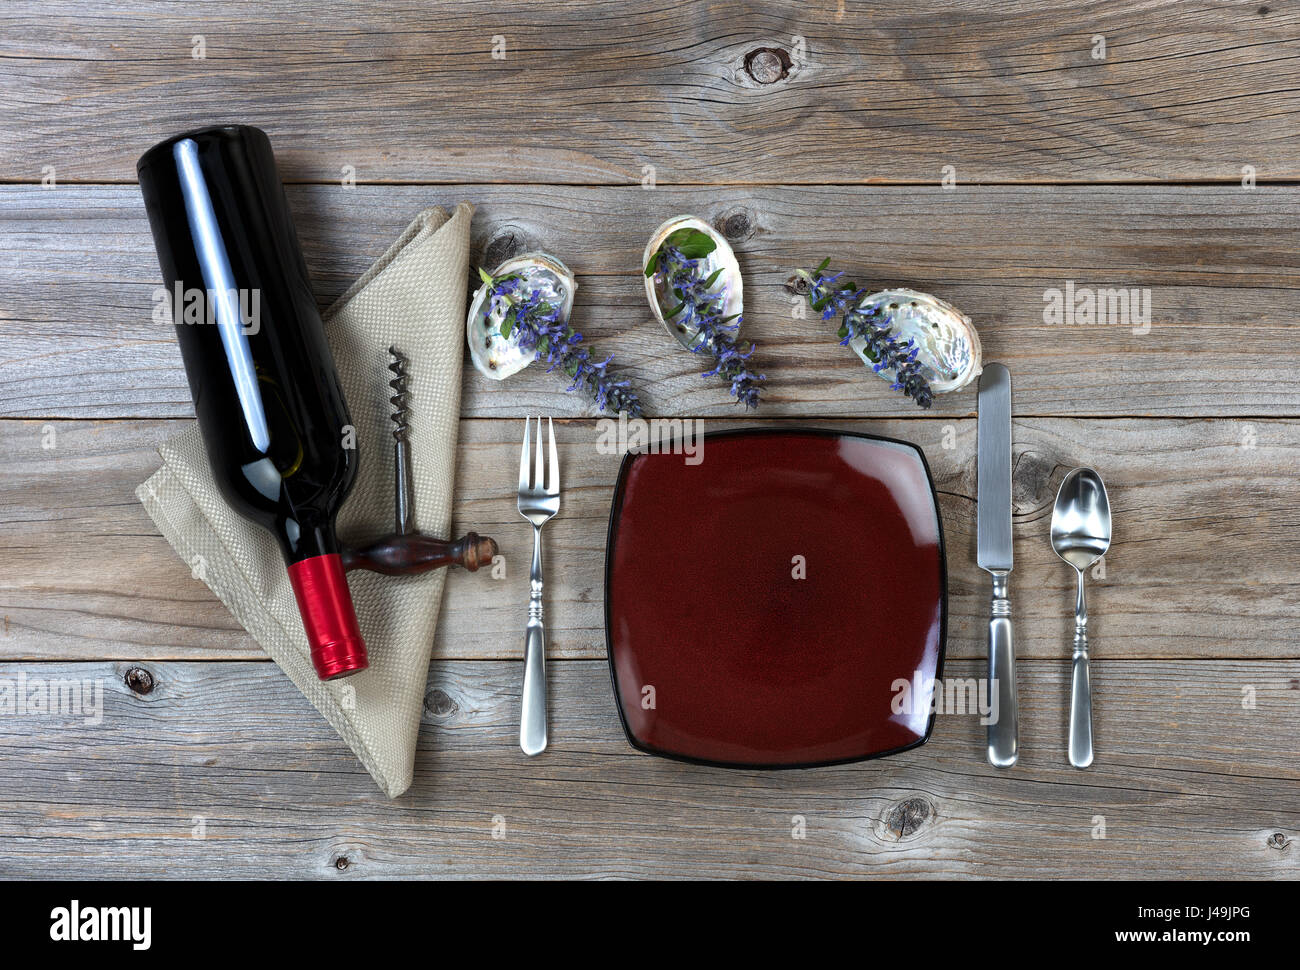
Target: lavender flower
875 327
538 327
677 265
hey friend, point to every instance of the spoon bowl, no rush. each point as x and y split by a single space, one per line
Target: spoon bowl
1081 536
1081 519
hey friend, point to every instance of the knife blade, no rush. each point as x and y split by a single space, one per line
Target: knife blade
994 553
993 434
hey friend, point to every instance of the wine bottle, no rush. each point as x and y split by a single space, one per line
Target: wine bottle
272 414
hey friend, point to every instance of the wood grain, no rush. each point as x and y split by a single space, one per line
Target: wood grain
1201 565
78 273
802 131
1188 783
591 91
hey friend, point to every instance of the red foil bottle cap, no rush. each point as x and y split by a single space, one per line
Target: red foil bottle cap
328 616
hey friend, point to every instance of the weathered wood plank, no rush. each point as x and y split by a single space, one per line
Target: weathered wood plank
1188 783
593 91
1202 564
77 274
1193 621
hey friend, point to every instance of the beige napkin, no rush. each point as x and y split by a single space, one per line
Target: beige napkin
412 297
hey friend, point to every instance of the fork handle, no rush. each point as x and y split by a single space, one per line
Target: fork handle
532 720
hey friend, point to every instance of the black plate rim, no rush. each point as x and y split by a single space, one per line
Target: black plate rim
616 507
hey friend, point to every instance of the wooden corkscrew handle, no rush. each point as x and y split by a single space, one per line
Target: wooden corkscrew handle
403 554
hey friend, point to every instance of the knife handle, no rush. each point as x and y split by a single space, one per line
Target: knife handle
1002 734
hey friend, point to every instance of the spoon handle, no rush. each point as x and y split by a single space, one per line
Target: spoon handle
1080 688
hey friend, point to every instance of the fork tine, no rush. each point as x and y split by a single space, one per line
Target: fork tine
539 483
553 470
523 459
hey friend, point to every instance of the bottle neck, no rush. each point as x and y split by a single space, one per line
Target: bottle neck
328 616
324 600
301 540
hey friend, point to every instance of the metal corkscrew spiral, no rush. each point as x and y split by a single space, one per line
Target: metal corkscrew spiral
401 449
401 395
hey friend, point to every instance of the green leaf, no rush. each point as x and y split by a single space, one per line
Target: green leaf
713 278
824 263
508 323
692 243
485 276
674 311
842 332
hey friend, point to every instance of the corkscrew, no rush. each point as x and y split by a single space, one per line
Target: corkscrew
407 550
401 447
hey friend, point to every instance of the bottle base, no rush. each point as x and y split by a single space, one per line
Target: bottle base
335 661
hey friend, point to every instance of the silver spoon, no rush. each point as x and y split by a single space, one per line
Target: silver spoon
1081 536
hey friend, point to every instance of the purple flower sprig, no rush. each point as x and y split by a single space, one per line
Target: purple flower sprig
677 264
537 325
832 296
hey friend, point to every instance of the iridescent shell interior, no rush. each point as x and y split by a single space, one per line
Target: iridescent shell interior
497 356
946 340
723 258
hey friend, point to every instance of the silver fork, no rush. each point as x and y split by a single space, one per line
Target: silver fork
539 500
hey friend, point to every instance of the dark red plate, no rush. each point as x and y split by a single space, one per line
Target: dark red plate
763 603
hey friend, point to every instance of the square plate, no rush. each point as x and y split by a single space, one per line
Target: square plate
765 596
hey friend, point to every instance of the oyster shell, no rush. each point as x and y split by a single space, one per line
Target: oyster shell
662 300
498 357
946 339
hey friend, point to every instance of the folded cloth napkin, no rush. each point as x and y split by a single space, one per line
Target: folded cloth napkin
413 297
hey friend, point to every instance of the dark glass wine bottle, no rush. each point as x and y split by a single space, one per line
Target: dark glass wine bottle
269 404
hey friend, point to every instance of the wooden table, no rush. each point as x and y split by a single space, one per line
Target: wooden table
988 154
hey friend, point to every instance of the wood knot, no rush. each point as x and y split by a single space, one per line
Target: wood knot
506 243
342 863
1278 840
440 704
1264 11
1031 481
767 65
737 225
907 817
139 680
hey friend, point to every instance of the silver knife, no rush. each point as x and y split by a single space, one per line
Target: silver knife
993 531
